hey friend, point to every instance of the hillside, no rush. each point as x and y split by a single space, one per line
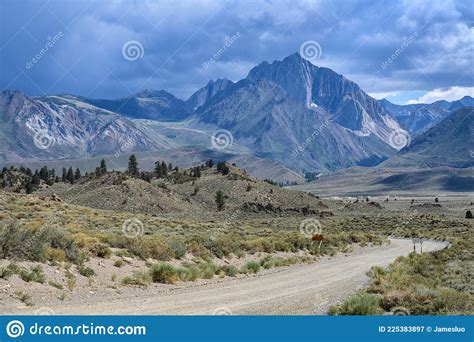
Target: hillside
449 143
181 194
63 127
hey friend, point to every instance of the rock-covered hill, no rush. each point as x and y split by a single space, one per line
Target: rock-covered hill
184 194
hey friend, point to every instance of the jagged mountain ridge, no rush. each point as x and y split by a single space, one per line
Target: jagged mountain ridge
262 116
417 118
346 103
203 95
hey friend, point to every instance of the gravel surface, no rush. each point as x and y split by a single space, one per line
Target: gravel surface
296 290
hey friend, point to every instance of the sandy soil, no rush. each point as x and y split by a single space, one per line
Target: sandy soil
296 290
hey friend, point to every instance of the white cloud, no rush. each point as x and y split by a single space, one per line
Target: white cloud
450 94
383 95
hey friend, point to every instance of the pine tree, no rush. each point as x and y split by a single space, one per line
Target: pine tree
44 174
210 163
158 170
220 200
70 176
164 169
64 177
29 187
103 167
77 174
133 166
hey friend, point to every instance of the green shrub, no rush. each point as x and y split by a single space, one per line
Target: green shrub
189 273
36 244
5 272
230 270
119 263
101 250
85 271
34 274
361 304
164 273
177 248
251 267
208 269
140 278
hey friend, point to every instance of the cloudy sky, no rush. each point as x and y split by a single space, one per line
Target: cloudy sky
407 51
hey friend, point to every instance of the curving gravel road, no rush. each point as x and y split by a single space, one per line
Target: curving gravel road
296 290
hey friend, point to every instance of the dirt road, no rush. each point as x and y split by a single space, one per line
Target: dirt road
303 289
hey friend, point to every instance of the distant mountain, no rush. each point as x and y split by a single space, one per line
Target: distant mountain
417 118
346 103
203 95
282 111
57 127
148 104
449 143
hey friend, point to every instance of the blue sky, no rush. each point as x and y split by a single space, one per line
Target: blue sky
408 51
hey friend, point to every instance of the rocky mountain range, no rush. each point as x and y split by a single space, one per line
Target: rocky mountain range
291 113
449 143
148 104
61 127
417 118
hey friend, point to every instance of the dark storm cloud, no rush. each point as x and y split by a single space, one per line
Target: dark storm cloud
186 43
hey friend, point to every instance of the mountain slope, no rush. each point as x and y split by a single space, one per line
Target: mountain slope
344 100
417 118
263 117
449 143
147 104
204 94
56 127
